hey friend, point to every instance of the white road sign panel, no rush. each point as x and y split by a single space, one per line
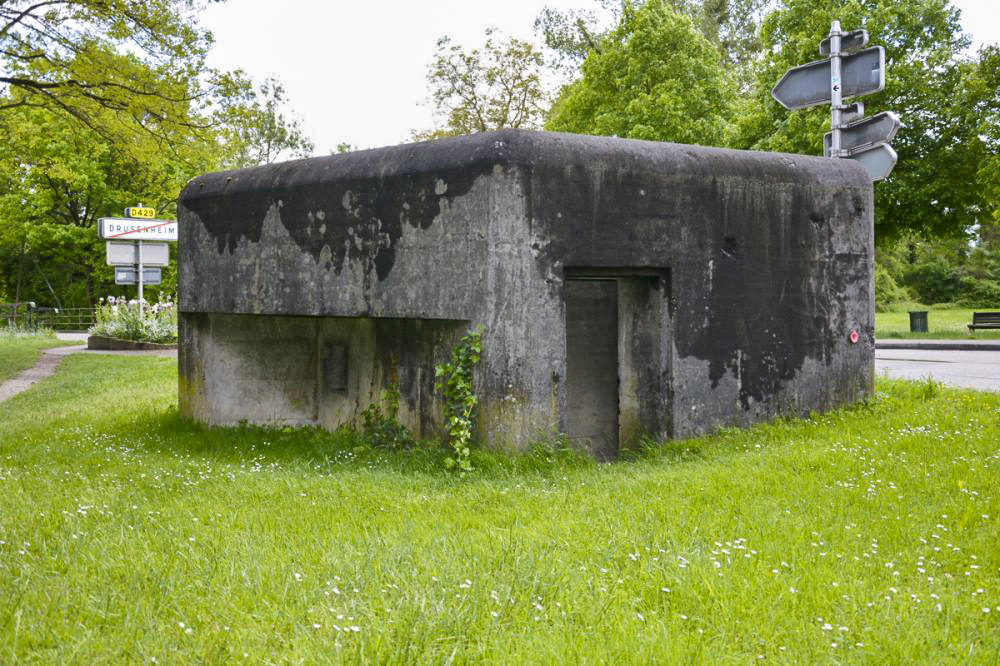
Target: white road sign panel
129 275
121 253
131 229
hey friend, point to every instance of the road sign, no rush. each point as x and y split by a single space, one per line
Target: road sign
861 134
120 253
129 229
878 160
128 275
849 42
862 73
140 212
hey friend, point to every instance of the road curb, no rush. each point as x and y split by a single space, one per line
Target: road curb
939 345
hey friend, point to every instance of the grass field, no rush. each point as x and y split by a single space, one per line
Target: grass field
948 324
129 535
19 351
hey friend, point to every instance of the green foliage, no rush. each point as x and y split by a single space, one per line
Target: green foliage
933 281
120 318
978 293
492 87
655 77
964 271
254 124
729 25
942 98
887 292
455 380
141 61
383 430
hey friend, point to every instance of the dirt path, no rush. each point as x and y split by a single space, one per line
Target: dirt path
46 366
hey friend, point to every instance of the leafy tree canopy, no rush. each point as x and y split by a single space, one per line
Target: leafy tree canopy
730 25
138 58
655 76
495 86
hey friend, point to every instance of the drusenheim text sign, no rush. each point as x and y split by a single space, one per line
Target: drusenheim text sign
131 229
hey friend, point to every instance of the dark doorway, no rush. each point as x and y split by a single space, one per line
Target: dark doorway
592 364
617 374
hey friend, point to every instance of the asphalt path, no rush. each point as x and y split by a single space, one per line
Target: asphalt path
961 368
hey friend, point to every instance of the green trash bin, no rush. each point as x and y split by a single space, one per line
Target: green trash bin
918 322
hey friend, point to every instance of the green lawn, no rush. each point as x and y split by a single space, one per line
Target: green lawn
941 324
128 534
20 351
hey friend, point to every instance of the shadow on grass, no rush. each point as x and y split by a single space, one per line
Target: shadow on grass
343 449
347 450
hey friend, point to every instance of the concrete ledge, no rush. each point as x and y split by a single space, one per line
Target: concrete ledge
116 344
955 345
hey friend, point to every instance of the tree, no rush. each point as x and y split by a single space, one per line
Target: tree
655 76
140 59
732 26
496 86
935 188
983 103
57 179
255 128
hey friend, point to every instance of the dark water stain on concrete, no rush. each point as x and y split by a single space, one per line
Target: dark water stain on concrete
346 206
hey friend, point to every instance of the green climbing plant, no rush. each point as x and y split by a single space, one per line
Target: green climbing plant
454 379
382 430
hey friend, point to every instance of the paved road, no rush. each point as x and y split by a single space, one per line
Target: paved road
965 369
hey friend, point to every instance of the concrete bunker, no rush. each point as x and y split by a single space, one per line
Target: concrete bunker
623 287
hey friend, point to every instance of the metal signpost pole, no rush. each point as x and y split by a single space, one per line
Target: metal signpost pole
139 276
836 90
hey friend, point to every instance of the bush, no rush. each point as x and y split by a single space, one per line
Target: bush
933 281
979 293
888 294
120 318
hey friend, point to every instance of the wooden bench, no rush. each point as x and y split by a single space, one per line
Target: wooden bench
985 320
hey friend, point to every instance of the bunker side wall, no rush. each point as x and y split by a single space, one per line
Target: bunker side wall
770 262
461 257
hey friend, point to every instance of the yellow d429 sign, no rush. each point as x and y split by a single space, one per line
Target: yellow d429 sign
137 211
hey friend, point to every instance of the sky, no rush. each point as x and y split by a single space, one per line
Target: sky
354 70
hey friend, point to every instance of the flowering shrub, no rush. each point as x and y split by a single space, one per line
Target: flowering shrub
120 318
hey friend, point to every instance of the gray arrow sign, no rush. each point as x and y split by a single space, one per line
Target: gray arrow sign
880 128
862 73
878 160
849 42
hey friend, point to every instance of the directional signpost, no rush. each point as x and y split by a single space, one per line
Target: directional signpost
126 251
850 70
863 134
807 85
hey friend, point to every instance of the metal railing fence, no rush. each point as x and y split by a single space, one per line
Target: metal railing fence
31 316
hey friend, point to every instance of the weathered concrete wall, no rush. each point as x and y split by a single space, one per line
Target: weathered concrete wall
740 276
